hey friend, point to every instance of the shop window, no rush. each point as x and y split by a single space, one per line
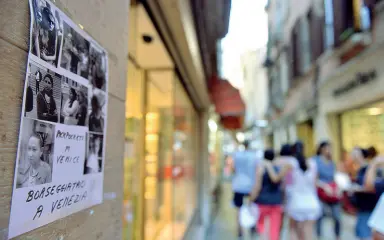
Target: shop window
184 165
363 127
133 149
158 182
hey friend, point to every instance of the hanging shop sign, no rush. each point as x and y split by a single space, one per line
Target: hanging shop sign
362 78
61 149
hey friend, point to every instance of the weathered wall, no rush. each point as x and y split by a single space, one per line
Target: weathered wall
107 22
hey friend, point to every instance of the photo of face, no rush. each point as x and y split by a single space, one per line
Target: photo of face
36 154
47 84
34 151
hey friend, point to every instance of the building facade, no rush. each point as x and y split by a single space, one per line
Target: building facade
255 94
310 44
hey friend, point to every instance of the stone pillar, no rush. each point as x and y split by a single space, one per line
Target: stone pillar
107 23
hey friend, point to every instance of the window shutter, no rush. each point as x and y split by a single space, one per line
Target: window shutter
317 24
338 20
304 44
296 56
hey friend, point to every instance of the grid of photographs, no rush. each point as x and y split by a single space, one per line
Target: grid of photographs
66 83
63 121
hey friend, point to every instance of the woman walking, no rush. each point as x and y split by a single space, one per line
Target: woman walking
268 195
329 194
302 203
364 201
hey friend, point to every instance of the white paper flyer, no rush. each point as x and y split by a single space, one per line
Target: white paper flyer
61 150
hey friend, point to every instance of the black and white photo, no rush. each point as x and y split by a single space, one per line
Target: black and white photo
43 93
97 110
74 100
46 32
94 160
97 68
35 154
75 55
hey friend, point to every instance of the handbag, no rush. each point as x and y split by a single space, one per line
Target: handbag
249 215
333 197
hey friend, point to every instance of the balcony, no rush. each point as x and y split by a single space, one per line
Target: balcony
352 28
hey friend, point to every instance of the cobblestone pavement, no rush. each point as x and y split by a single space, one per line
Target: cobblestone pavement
224 227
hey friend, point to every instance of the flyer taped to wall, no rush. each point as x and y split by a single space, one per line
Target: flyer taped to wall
59 167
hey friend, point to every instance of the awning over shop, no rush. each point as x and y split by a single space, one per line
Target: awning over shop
228 103
232 122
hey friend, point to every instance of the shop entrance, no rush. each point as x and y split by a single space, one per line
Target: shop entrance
160 192
305 133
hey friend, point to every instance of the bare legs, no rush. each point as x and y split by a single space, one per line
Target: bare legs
239 230
301 230
378 236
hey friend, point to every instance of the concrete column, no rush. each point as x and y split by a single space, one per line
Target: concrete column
205 197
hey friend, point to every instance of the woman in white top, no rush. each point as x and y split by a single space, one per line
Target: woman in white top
302 203
70 108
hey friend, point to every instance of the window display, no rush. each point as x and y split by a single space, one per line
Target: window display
363 127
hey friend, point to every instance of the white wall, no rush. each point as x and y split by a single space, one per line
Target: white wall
255 91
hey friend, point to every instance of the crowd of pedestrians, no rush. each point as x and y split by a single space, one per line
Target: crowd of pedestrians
306 190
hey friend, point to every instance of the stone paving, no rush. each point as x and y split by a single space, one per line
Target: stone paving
224 227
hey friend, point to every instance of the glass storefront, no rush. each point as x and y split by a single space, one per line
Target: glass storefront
160 191
134 124
184 161
216 157
363 127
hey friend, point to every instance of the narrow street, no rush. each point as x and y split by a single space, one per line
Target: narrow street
224 227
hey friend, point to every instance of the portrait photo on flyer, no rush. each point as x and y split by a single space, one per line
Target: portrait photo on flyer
35 153
97 67
74 100
94 159
43 96
97 110
47 31
75 55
